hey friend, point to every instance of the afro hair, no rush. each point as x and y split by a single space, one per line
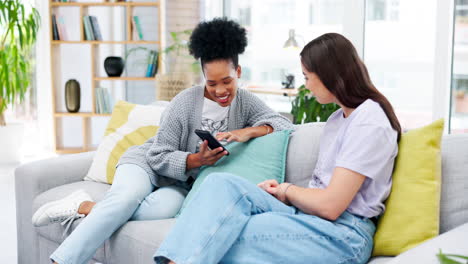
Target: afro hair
219 38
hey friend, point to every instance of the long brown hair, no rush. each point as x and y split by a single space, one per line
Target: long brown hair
335 61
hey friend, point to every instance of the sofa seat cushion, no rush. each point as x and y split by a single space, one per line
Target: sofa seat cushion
137 241
380 260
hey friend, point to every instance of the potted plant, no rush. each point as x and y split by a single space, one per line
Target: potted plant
306 109
18 30
183 69
451 258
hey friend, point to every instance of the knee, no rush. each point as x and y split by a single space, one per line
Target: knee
216 181
124 200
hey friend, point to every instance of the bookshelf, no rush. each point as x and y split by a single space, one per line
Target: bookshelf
84 118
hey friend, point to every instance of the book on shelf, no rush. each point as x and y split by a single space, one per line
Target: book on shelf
87 28
152 64
155 64
61 28
137 26
55 32
95 26
103 101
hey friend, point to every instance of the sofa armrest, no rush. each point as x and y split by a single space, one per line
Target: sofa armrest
451 242
33 178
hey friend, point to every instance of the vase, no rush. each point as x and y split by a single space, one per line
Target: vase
114 66
72 96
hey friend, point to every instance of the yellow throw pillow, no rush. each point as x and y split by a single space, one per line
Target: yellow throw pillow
130 125
412 209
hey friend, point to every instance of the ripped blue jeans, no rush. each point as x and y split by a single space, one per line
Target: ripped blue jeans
231 220
131 197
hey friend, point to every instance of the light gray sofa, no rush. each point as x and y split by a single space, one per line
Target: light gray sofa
47 180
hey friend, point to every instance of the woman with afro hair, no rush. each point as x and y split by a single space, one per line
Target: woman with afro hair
231 220
152 180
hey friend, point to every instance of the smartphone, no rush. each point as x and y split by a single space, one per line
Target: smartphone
213 143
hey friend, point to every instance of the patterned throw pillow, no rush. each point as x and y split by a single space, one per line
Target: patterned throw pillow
130 125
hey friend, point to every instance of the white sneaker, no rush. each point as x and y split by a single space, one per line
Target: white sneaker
61 211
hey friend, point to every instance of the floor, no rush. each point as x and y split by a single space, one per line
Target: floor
7 203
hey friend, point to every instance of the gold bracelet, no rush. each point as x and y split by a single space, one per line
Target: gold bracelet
268 129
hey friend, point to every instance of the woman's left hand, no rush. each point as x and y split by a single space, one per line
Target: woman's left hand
276 189
240 135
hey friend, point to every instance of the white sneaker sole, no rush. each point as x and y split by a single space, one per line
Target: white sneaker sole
46 206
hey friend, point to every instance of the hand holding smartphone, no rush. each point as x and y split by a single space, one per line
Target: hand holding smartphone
213 143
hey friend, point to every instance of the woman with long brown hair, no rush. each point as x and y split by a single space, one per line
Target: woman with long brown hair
233 221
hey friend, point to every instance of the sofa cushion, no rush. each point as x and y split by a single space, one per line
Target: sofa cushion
412 209
137 241
303 152
454 200
380 260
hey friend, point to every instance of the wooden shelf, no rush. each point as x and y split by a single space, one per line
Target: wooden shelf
83 114
124 78
87 119
57 4
141 42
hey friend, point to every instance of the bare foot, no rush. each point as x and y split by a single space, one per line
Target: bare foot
86 207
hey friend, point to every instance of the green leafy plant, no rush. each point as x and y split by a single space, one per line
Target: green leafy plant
448 258
306 109
18 31
179 48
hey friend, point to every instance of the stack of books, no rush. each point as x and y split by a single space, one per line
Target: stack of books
58 28
91 27
104 102
152 68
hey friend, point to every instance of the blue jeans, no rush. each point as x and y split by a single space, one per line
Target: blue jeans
130 197
231 220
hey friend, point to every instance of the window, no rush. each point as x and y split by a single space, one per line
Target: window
265 62
401 62
459 109
396 40
382 10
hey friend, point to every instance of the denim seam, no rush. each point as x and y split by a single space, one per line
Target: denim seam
290 236
220 223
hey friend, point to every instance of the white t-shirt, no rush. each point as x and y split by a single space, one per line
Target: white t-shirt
366 143
214 118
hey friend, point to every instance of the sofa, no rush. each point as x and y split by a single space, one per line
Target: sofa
136 241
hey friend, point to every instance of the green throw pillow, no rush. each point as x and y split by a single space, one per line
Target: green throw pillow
257 160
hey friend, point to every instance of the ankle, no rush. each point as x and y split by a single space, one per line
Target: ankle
85 207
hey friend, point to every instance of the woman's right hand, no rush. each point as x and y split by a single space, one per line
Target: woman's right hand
205 156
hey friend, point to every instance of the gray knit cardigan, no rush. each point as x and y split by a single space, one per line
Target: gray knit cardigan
164 156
